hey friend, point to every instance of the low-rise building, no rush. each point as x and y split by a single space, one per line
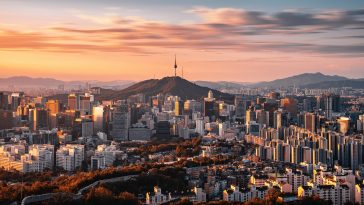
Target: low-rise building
156 197
234 194
69 157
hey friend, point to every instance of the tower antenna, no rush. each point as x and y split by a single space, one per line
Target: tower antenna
175 65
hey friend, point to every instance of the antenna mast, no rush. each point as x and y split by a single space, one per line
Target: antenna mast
175 66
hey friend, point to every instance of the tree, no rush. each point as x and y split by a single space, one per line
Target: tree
128 198
100 195
255 201
183 202
272 196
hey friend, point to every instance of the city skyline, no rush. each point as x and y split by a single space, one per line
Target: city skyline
189 102
213 40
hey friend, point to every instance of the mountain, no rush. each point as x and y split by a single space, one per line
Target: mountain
28 81
168 85
300 80
353 83
24 81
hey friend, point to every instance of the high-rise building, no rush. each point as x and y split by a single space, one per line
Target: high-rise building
240 106
344 123
277 119
200 126
85 105
329 103
211 108
120 121
16 99
98 118
360 124
87 127
262 117
157 101
192 106
253 128
308 104
310 122
74 102
250 116
178 106
39 118
52 106
4 100
356 154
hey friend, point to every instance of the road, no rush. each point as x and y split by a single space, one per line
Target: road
43 197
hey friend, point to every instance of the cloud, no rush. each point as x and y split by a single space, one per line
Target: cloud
231 16
219 29
14 40
283 20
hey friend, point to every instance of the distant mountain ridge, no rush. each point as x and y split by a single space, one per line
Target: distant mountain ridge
353 83
221 84
305 80
168 85
25 81
300 80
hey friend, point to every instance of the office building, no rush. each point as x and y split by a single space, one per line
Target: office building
120 121
53 106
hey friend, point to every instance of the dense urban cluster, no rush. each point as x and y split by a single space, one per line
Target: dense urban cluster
266 146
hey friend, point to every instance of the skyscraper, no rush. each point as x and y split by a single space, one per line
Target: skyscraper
85 105
39 118
277 119
211 108
120 122
178 106
52 106
250 116
310 122
240 106
360 124
4 100
15 99
87 126
343 124
192 106
98 118
329 103
356 153
74 102
262 117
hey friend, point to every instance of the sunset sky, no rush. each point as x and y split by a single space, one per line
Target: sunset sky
233 40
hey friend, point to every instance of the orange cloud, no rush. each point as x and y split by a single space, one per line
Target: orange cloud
221 29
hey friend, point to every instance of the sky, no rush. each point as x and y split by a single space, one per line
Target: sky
245 41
